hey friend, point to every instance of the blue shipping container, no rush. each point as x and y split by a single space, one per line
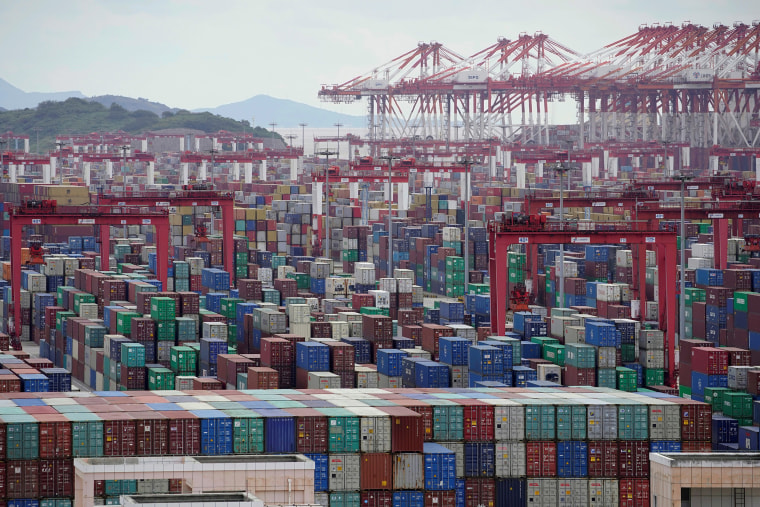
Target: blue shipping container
431 374
408 499
321 471
312 356
479 459
389 362
440 467
362 349
453 350
486 360
572 459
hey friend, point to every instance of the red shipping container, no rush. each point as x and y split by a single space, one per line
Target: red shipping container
277 352
22 479
3 467
311 430
376 498
347 379
342 357
377 328
440 499
263 378
133 378
207 384
376 470
143 329
430 335
321 330
696 419
479 492
10 383
286 375
696 446
478 421
709 360
56 479
184 433
633 492
55 436
413 332
541 459
406 428
603 458
753 381
189 303
118 434
633 459
738 356
152 434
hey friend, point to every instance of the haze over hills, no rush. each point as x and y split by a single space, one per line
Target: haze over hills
262 108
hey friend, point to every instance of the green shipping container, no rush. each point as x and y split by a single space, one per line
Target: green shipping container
737 405
684 391
228 307
654 377
633 421
166 330
540 422
132 355
695 295
544 340
555 353
121 487
183 360
571 422
345 498
162 308
124 322
714 396
22 438
740 301
454 263
627 379
344 430
448 421
82 297
186 329
160 379
606 377
86 434
628 352
247 432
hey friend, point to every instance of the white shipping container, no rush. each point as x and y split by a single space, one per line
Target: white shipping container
382 298
608 292
451 233
265 275
388 285
706 250
340 330
737 377
699 262
196 265
575 334
652 339
542 492
418 294
408 472
652 358
508 419
375 429
651 260
282 271
323 380
404 285
338 285
571 492
460 376
653 310
624 258
299 313
384 381
571 268
88 310
54 266
70 265
366 378
603 492
417 352
549 372
364 276
344 472
510 459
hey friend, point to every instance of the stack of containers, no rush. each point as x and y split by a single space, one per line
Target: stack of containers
164 312
354 246
453 351
709 368
652 356
343 362
313 366
454 281
485 364
209 351
604 336
280 355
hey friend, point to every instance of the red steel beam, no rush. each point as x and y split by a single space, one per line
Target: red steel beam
85 216
663 243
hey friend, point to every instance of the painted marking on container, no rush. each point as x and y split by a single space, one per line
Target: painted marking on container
146 221
194 204
172 209
123 222
692 187
740 215
599 203
549 204
86 221
36 221
412 170
659 215
715 215
650 239
163 203
121 203
523 239
377 168
581 239
623 240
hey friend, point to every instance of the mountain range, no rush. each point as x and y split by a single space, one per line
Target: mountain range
264 109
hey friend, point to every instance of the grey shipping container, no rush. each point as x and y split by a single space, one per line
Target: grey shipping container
322 380
651 339
408 472
322 498
375 434
602 422
603 492
541 492
366 378
573 492
152 486
509 422
664 421
390 382
458 449
510 459
652 358
606 357
459 376
344 472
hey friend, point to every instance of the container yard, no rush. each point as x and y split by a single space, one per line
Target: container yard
561 316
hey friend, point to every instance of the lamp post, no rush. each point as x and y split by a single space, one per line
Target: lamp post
665 157
37 130
303 126
562 169
390 158
467 163
273 124
683 178
326 153
213 151
339 125
3 142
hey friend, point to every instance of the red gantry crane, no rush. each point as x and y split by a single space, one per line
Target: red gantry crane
34 213
189 197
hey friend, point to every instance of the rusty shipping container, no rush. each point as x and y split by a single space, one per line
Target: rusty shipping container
311 430
406 429
184 433
376 471
55 436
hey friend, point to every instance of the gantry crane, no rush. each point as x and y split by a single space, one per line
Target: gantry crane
533 233
31 214
187 197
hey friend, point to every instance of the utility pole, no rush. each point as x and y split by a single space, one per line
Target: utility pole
290 138
562 169
3 142
390 158
213 151
37 130
303 126
467 163
273 124
326 248
60 145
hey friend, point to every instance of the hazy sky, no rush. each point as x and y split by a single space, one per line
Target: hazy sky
193 54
